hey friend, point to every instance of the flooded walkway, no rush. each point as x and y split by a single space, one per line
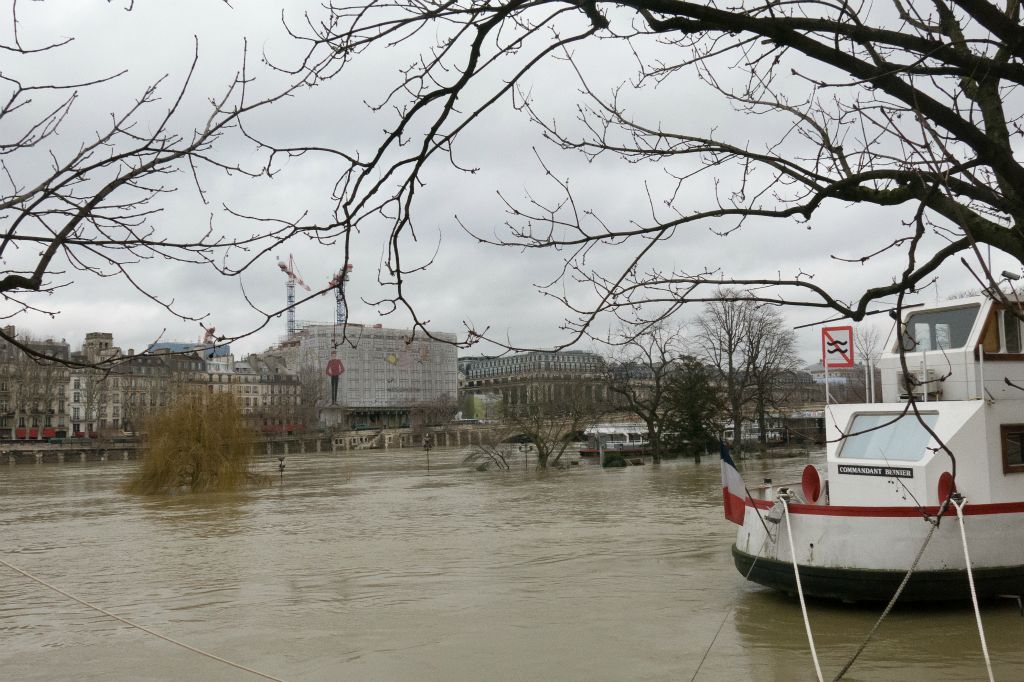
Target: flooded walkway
364 566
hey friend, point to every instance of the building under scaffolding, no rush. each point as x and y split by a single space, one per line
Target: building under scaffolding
388 373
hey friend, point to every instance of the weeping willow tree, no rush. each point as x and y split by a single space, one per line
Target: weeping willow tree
199 443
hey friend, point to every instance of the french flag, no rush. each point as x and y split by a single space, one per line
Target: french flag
734 490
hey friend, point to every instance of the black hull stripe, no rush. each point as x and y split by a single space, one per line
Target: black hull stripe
858 584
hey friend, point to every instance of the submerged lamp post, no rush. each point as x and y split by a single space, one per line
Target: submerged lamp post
280 467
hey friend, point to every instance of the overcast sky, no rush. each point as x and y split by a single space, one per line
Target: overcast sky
468 284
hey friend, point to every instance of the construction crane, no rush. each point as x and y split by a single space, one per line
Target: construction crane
294 278
338 283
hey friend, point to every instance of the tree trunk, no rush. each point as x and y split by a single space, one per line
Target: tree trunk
737 433
762 422
655 441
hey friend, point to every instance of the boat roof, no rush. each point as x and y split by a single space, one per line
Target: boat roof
615 428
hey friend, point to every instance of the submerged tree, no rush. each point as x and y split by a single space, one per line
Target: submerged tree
199 443
772 352
554 416
641 375
493 450
749 349
695 409
722 335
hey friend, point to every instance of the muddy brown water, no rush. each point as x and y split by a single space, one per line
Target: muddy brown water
364 566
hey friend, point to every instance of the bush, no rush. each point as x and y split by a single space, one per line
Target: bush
198 443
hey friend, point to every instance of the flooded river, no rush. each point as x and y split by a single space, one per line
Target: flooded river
365 566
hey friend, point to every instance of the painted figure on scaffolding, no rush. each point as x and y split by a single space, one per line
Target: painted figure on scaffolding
334 370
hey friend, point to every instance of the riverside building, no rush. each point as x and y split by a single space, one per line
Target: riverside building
388 373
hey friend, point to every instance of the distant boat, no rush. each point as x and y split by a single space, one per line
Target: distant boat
858 529
621 439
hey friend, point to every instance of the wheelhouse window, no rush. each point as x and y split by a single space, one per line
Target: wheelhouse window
1012 437
1011 331
939 329
889 437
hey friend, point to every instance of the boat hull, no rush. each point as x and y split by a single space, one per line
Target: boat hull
856 584
863 553
624 452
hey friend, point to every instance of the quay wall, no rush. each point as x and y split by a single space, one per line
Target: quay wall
21 452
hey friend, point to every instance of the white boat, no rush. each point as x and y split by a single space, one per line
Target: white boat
621 439
858 526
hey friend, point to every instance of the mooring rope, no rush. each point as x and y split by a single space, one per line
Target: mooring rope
732 608
800 590
892 602
970 581
118 618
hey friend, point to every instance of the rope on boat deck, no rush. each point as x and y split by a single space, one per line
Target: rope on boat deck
116 617
800 590
959 506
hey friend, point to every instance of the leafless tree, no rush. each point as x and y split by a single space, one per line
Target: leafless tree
867 343
37 388
432 414
91 386
868 346
722 335
80 206
906 106
437 412
551 421
493 450
771 355
641 373
313 387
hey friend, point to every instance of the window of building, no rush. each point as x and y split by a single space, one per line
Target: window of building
78 383
1012 437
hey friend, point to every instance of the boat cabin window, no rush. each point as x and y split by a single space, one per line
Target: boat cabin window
888 437
934 329
1010 331
1012 437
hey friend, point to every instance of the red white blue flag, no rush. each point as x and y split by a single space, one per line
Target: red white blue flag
734 490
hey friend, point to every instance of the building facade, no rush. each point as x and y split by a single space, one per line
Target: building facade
534 377
33 394
388 375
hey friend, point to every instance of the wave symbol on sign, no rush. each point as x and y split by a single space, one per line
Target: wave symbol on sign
836 346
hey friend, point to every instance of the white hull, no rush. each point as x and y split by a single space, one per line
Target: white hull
857 541
857 554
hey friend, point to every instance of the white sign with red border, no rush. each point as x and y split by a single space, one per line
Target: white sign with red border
837 346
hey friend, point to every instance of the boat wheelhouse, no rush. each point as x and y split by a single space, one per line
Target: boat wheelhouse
949 432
